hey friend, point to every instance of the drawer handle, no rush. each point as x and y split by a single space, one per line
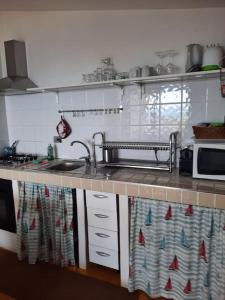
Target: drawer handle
101 216
102 254
102 235
99 196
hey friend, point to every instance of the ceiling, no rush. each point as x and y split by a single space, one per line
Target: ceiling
106 4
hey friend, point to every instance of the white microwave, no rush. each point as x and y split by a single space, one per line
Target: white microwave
209 161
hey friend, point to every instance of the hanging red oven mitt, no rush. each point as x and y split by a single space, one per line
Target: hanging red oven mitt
63 128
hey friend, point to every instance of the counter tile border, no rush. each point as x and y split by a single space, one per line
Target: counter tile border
165 193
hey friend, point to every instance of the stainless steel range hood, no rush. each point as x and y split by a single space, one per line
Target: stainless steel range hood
16 65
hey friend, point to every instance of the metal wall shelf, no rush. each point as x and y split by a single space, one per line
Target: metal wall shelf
120 83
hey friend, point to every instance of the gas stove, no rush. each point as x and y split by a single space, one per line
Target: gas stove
17 159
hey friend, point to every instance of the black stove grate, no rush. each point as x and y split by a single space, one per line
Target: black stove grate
17 159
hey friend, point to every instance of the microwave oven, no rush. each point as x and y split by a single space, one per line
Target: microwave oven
209 161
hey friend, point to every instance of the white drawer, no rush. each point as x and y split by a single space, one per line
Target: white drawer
104 257
102 218
103 238
101 200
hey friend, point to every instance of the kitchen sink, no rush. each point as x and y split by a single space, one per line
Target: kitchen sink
79 167
65 166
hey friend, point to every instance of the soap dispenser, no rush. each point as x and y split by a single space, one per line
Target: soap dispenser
50 152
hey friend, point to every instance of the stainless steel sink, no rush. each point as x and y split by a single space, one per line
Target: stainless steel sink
65 166
79 167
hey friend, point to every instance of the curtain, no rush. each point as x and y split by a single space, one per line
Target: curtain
177 251
45 224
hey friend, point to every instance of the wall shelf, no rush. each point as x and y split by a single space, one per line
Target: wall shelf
120 83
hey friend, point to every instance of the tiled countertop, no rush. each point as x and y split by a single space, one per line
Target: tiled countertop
153 184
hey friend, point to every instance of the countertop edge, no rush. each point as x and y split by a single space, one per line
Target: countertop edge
157 192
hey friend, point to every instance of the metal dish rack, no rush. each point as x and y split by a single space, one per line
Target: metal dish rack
167 165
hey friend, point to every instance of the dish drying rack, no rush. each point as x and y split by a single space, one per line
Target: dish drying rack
157 164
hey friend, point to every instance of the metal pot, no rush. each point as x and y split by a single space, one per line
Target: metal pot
109 155
194 58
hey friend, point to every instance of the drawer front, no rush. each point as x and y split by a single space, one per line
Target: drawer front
101 218
103 238
101 200
104 257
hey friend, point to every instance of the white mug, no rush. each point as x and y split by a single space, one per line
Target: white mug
135 72
145 72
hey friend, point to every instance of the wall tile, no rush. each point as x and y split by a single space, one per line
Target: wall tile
215 110
149 133
132 96
32 118
149 115
194 90
151 94
194 112
170 93
112 97
166 130
170 114
213 90
95 98
187 133
72 100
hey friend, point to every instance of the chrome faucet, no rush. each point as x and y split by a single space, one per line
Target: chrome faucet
94 145
88 157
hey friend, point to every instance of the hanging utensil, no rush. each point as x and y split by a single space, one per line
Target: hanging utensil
63 128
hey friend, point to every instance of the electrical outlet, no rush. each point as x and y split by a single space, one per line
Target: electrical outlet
57 139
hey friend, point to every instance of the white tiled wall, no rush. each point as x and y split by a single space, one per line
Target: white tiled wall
4 138
150 114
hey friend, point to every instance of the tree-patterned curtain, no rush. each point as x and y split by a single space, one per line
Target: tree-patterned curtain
177 251
45 224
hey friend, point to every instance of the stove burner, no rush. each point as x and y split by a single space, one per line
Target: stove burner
17 159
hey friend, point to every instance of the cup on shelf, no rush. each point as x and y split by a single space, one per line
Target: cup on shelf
122 75
91 77
84 77
159 68
135 72
147 71
171 68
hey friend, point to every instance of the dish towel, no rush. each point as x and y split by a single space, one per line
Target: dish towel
177 251
45 224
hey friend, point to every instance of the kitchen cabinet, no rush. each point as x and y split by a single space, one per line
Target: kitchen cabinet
103 230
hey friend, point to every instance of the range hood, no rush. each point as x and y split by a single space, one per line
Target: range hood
16 65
